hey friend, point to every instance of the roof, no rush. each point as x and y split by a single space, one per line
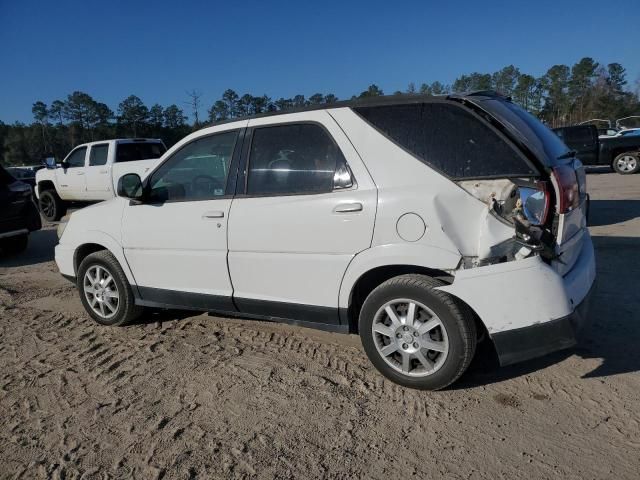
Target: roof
402 99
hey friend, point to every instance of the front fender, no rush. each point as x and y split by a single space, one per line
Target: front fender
426 256
104 240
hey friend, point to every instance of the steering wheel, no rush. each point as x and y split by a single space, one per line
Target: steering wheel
205 184
282 161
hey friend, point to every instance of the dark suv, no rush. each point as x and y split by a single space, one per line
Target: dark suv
18 214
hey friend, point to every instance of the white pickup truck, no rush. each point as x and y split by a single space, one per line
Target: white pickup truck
91 171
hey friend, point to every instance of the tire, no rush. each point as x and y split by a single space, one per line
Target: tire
443 335
626 163
51 206
14 245
101 270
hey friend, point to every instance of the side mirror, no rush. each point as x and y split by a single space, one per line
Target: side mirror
130 186
50 162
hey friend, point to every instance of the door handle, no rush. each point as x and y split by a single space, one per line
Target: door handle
80 173
214 214
348 208
104 171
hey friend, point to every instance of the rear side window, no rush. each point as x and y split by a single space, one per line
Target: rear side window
98 155
294 159
448 138
578 136
128 152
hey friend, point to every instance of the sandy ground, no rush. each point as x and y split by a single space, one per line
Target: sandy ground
181 396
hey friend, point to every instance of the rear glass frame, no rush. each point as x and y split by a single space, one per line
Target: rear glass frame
126 145
531 169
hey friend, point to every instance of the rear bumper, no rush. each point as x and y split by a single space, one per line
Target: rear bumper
534 341
528 308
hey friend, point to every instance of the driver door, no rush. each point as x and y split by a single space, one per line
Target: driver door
176 242
71 180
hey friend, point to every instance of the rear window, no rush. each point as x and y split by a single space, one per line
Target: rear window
448 138
526 128
127 152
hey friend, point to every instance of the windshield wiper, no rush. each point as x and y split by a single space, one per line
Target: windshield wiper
569 154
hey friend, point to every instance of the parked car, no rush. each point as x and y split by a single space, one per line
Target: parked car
18 214
91 171
621 152
26 174
423 224
629 132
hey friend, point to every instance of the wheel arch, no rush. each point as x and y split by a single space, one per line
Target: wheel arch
374 266
620 150
46 185
96 241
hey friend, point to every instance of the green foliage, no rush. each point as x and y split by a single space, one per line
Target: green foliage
563 95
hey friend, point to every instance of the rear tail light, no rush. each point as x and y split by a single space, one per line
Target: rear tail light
568 190
535 203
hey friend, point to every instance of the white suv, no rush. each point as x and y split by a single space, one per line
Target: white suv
423 224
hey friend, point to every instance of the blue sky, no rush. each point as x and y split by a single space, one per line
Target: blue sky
158 50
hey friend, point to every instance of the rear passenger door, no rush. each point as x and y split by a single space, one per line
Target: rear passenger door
305 205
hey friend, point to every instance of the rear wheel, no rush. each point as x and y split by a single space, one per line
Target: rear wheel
14 245
104 290
52 207
415 335
626 163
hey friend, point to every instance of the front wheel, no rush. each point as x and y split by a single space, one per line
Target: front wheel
415 335
52 207
626 163
104 290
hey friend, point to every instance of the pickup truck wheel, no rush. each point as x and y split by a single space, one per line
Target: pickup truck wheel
626 163
14 245
415 335
52 207
104 290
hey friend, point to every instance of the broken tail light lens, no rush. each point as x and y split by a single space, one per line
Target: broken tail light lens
535 203
568 191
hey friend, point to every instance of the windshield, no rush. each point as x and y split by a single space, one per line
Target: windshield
544 143
128 152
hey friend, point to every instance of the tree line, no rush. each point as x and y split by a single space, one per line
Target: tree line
562 96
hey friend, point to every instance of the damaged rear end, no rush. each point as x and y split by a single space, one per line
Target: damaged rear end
530 278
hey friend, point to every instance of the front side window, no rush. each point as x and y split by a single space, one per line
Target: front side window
198 171
294 159
98 155
76 159
448 138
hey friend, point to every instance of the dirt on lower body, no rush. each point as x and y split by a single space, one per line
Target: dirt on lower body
184 396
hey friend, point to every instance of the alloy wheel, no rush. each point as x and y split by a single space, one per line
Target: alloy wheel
47 206
410 337
101 291
627 163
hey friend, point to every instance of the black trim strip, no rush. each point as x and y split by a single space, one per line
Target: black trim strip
159 297
282 310
311 316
